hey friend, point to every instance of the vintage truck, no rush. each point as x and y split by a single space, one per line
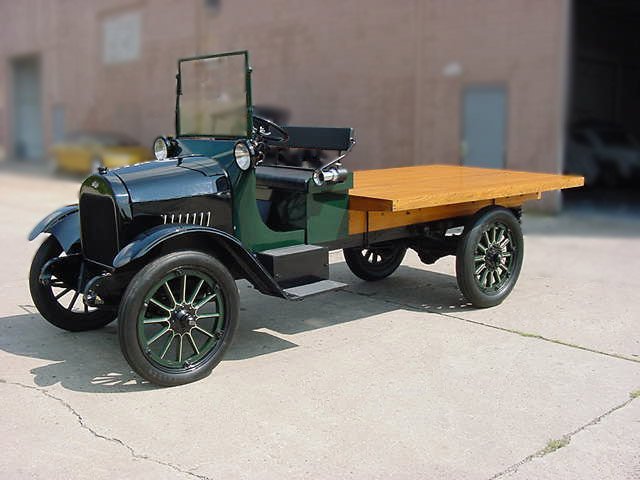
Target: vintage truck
159 245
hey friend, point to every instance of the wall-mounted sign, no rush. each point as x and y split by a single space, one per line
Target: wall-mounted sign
121 37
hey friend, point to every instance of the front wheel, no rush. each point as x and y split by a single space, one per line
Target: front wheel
489 257
59 300
177 318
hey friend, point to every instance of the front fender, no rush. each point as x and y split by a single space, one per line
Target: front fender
63 224
211 239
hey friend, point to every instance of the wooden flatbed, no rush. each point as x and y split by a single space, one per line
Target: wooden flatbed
395 197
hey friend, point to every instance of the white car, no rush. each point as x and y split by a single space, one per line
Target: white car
602 152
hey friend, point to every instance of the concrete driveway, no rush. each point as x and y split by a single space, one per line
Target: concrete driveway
395 379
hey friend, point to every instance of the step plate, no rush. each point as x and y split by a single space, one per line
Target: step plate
304 291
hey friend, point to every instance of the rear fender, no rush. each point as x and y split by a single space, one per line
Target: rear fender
225 247
63 224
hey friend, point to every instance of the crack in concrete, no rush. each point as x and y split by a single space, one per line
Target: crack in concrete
413 308
566 439
83 424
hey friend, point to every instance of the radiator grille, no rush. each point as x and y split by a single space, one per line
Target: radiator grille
98 228
196 218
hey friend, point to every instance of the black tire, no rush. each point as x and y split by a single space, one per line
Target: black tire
55 312
376 261
489 256
161 282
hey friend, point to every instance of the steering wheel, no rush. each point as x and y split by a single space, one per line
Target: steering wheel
268 131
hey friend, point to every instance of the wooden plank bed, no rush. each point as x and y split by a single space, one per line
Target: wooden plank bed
395 197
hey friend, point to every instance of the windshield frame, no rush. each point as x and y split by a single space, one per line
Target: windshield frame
247 70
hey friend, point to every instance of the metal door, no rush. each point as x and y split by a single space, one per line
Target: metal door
27 108
484 127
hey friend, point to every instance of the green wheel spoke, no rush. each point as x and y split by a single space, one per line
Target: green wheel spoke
158 335
202 330
483 278
208 315
179 348
486 237
170 293
151 321
167 345
63 293
205 300
160 304
196 292
184 288
73 300
193 344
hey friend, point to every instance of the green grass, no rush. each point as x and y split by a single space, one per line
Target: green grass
526 334
553 445
635 394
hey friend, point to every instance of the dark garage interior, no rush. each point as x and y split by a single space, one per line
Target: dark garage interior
603 128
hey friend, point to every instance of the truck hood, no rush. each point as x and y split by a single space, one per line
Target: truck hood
172 178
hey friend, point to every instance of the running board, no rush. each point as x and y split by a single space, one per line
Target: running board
304 291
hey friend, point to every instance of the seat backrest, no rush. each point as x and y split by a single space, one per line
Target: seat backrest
319 138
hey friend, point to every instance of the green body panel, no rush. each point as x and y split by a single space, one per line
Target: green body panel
328 212
326 216
317 216
249 227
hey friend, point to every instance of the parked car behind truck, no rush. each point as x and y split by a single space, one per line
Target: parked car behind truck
84 152
602 152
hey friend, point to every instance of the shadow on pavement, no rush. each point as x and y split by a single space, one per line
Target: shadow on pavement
92 361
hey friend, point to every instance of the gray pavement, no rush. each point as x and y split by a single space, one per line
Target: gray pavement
394 379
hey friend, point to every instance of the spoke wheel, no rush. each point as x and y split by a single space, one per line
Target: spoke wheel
59 302
494 259
376 261
489 256
182 320
177 318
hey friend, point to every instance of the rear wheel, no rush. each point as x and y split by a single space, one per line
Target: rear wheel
177 318
376 261
489 257
58 300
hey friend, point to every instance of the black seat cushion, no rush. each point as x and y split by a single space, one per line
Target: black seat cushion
319 138
284 178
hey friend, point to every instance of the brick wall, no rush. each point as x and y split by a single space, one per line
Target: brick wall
376 65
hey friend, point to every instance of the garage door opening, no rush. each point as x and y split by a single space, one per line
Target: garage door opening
27 108
603 137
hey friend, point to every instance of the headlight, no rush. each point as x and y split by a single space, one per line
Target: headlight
243 153
161 148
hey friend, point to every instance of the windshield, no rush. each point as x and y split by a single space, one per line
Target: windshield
215 96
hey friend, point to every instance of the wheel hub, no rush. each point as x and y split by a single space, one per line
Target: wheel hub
182 319
493 257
